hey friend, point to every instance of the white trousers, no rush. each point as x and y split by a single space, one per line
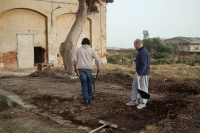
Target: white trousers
144 83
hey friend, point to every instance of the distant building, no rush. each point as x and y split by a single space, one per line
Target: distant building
187 44
31 31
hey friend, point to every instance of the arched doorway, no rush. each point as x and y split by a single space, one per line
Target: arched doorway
22 30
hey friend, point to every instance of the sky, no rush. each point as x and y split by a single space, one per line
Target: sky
126 20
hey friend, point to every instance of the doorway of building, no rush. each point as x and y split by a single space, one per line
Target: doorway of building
38 55
25 50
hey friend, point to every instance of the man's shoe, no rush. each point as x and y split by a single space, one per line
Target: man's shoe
132 103
141 106
91 97
85 103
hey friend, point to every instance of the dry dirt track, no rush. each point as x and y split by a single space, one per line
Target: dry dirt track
174 105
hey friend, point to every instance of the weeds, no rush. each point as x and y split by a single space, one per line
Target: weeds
121 58
157 58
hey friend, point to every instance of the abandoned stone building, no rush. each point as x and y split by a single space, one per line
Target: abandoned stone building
187 44
31 31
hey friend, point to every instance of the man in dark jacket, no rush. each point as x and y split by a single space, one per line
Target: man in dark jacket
142 72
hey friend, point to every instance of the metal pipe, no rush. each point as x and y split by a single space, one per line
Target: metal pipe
60 6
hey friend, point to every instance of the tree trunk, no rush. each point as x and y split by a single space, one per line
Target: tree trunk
68 47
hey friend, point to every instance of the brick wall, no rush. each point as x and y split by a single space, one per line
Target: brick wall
10 60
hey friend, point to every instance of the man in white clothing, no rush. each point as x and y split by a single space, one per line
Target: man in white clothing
83 62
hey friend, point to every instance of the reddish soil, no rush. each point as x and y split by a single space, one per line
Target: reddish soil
174 105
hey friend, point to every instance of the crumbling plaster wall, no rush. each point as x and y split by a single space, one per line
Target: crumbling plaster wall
20 22
42 23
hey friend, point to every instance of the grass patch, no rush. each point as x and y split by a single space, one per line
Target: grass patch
177 71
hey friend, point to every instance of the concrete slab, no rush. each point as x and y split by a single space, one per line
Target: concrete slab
13 100
16 74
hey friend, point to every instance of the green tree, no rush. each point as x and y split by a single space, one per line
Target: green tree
148 43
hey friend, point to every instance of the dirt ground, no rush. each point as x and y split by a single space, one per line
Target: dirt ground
174 105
